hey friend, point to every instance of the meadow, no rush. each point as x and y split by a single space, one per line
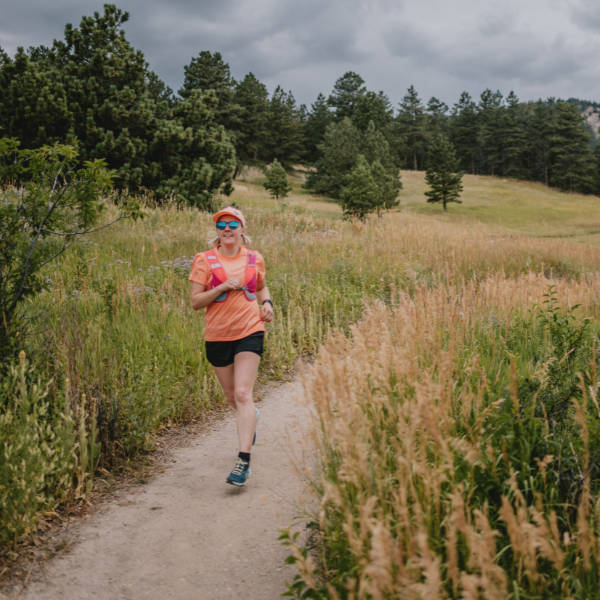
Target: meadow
454 463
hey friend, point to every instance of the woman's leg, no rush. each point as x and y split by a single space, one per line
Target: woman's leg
244 375
225 377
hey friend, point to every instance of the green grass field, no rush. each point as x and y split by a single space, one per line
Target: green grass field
521 206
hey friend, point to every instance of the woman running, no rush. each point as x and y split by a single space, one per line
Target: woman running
234 324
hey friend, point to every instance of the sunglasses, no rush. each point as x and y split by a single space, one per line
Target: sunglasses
221 225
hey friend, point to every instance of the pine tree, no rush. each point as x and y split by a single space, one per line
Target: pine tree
572 167
158 90
442 174
541 132
360 194
490 123
375 108
437 118
317 122
93 86
347 91
515 139
253 98
464 131
339 151
413 121
277 181
389 186
285 130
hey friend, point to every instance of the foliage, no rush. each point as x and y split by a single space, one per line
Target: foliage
318 120
38 449
59 202
413 121
369 188
570 155
346 94
277 182
360 196
442 175
440 471
340 149
252 96
96 88
285 130
207 72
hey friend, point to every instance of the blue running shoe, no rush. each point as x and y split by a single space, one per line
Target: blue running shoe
256 432
240 473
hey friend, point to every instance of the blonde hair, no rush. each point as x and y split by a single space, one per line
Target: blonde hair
214 242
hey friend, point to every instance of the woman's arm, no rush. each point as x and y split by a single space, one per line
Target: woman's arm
262 293
202 298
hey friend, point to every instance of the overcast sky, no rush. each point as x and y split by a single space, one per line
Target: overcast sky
538 48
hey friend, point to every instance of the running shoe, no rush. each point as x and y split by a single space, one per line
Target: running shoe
240 473
255 431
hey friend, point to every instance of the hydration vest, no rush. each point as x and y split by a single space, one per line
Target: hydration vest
219 276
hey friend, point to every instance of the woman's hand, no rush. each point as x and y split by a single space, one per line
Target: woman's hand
231 284
266 312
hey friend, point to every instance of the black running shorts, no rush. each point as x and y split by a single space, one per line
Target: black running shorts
221 354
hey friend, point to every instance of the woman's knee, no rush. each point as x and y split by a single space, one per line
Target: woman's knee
243 395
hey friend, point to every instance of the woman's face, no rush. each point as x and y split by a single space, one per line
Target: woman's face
228 236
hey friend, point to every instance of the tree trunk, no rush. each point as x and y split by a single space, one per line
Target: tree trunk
472 171
546 171
415 157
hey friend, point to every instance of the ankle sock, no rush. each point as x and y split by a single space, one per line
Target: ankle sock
245 456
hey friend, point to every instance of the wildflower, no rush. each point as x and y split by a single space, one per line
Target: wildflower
48 280
76 291
139 269
119 261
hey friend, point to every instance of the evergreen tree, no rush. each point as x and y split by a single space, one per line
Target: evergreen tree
375 108
442 175
490 140
339 151
253 98
413 121
515 139
285 129
347 91
572 166
93 86
360 194
437 118
541 132
597 170
317 122
277 181
210 72
389 186
464 130
158 90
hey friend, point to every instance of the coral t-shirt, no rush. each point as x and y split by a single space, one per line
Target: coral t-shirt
237 317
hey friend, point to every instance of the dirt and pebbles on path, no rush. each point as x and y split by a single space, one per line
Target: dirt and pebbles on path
187 535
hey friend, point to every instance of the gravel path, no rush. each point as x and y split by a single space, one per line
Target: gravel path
187 535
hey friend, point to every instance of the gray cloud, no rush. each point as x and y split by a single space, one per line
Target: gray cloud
538 48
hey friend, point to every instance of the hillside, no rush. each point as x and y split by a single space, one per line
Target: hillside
518 206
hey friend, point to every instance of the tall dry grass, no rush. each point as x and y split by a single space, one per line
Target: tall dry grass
439 477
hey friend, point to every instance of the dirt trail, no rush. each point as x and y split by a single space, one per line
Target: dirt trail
187 535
